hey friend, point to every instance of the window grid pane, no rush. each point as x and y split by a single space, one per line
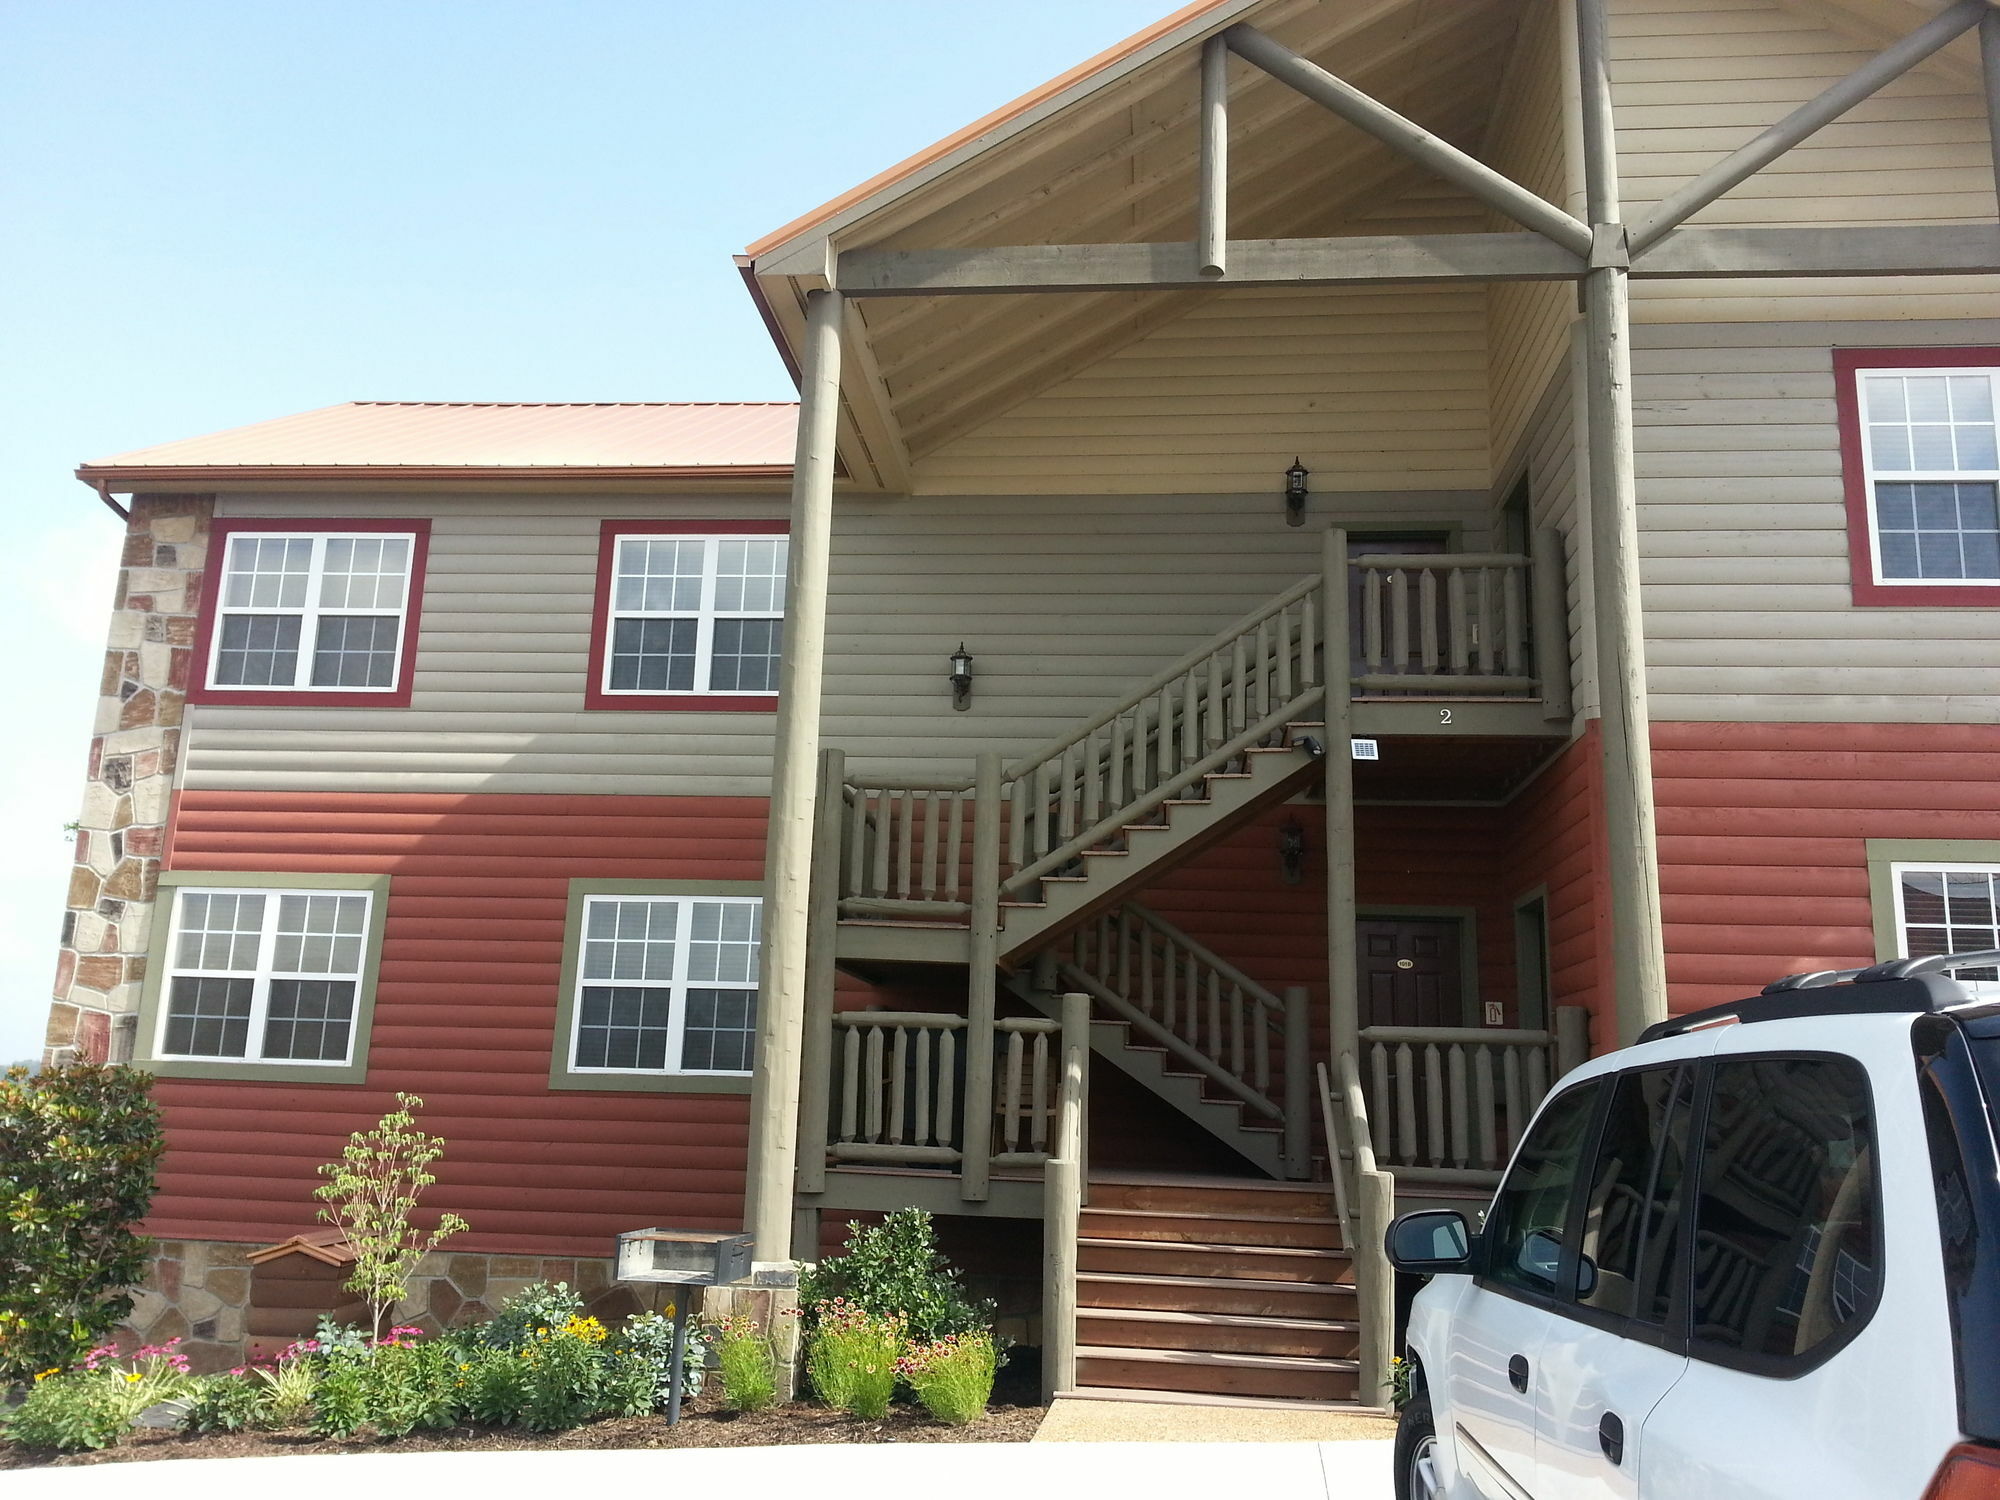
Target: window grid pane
696 615
666 985
271 632
1951 911
356 651
290 975
1934 453
258 651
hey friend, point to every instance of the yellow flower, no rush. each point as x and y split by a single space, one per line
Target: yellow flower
132 1379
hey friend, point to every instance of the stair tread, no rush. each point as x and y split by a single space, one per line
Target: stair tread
1215 1359
1204 1215
1220 1320
1208 1398
1243 1284
1185 1246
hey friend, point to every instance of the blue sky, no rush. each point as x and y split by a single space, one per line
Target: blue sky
221 212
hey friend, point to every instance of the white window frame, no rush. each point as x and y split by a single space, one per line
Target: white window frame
1987 989
265 973
705 614
1870 476
676 987
309 614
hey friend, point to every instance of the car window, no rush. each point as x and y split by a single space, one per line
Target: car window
1787 1255
1524 1232
1632 1215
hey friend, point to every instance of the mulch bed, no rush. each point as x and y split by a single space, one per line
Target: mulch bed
706 1424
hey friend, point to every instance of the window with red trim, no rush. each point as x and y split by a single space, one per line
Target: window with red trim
689 615
1920 448
319 612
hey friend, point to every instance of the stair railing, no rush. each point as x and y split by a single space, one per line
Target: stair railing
898 1081
1452 622
1368 1205
1450 1102
1206 1012
1235 690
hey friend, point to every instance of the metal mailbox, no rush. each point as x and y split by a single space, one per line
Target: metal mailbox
683 1257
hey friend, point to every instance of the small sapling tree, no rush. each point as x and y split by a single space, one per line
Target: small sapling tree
372 1192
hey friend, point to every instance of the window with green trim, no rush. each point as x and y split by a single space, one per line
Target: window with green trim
1950 908
666 984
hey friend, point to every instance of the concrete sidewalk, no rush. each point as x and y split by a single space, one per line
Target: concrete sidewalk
996 1471
1078 1420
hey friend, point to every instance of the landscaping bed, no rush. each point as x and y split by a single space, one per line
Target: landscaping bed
707 1423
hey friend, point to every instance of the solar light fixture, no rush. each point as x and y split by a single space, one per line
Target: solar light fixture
1295 494
690 1258
961 678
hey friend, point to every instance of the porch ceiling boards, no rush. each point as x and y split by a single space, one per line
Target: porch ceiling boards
1119 165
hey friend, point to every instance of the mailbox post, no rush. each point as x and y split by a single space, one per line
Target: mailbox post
691 1258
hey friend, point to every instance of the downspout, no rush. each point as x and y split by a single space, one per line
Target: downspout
103 488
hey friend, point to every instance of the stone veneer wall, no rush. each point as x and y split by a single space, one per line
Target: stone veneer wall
199 1291
134 748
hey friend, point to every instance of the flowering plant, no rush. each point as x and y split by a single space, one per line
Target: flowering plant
952 1376
749 1365
852 1357
93 1406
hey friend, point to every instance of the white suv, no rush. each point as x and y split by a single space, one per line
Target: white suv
1755 1256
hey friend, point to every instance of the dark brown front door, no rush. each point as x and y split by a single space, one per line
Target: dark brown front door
1410 974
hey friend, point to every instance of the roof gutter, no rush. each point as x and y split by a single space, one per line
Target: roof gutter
746 266
102 479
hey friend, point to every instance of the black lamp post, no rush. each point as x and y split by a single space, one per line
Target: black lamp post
1295 494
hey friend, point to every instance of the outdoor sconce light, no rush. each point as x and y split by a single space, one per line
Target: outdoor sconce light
1292 852
691 1258
961 678
1295 494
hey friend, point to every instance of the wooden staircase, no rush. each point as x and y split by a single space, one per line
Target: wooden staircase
1214 1291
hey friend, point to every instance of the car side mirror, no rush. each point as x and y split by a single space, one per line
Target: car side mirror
1430 1242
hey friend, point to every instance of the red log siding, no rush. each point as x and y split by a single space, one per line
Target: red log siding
1555 831
1763 838
465 1017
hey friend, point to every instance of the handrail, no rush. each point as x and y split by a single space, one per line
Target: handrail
1374 1282
1205 955
1193 1056
1214 761
1335 1154
1160 679
1498 1036
1357 1113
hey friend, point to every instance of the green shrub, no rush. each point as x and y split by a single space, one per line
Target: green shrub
69 1413
78 1148
289 1383
953 1376
851 1358
225 1403
543 1304
895 1270
650 1337
749 1365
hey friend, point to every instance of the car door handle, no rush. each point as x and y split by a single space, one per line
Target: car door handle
1611 1437
1517 1372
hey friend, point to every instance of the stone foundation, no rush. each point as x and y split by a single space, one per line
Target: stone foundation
121 832
201 1292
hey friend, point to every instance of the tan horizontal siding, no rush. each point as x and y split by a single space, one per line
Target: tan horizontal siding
1378 388
1694 79
1744 546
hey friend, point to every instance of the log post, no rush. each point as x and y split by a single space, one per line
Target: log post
1343 964
1298 1086
1638 957
788 846
1572 1038
982 977
1062 1201
822 935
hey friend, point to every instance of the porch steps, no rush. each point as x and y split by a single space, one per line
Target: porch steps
1214 1289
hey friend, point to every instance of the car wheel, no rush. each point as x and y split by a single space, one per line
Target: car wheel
1416 1452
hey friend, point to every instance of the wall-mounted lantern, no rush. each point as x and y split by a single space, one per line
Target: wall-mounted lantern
961 678
690 1258
1295 494
1292 852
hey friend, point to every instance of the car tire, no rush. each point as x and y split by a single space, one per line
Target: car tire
1416 1451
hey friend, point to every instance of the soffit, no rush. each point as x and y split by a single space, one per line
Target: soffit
1119 165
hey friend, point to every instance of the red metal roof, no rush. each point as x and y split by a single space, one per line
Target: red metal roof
510 437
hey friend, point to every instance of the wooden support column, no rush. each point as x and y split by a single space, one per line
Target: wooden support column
1638 956
1063 1178
1989 59
982 972
822 933
1212 233
795 769
1343 962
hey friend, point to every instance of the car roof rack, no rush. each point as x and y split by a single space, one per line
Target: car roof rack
1909 985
